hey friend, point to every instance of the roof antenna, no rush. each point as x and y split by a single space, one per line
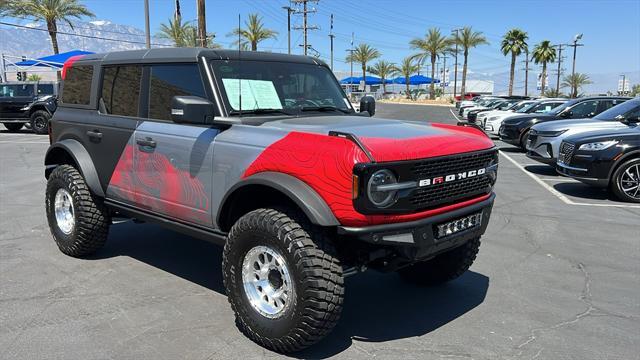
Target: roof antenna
239 70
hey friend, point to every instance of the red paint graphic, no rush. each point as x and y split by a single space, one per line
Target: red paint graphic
151 180
326 164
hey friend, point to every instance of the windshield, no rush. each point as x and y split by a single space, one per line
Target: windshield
519 106
618 110
279 87
15 90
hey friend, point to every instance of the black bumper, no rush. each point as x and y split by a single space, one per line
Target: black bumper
419 238
590 168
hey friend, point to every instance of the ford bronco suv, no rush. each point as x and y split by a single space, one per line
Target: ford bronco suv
264 154
31 103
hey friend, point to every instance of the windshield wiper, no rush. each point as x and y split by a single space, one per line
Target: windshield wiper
261 111
325 108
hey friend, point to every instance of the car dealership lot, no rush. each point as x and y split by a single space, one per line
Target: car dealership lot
557 277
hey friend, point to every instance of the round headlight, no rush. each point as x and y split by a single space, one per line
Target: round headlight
382 197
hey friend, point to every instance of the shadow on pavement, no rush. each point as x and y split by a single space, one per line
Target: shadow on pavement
378 307
544 170
583 191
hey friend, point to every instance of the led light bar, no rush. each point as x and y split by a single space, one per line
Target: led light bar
455 226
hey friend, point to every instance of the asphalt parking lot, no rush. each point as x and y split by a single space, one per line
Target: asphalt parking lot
557 277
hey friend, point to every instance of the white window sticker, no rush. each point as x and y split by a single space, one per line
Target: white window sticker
256 94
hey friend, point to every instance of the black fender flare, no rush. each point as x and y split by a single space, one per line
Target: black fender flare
307 199
82 159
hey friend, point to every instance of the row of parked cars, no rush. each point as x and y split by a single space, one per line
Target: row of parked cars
595 140
28 104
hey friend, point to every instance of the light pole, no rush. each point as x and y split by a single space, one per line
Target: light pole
455 69
289 11
573 68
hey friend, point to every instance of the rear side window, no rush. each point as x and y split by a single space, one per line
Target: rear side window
120 92
45 89
168 81
77 85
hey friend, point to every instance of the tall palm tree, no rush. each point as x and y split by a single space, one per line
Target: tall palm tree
468 39
363 54
384 69
49 11
177 31
432 46
575 82
408 67
255 32
544 53
514 42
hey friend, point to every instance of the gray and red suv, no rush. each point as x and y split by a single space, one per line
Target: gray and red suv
264 154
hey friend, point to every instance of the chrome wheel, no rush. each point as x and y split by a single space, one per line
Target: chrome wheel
267 281
63 208
630 181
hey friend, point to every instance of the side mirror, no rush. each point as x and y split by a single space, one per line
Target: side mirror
368 104
191 110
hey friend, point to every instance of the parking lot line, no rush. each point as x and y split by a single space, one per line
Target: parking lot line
454 114
23 142
558 194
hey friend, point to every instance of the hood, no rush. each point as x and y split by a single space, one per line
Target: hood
605 134
393 140
577 123
524 117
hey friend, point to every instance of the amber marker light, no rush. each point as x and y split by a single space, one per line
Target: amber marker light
355 187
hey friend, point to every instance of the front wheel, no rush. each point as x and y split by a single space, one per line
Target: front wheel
40 122
283 280
625 182
13 127
444 267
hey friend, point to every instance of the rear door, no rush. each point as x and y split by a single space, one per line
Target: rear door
174 161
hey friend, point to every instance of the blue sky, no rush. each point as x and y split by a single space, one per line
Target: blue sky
611 28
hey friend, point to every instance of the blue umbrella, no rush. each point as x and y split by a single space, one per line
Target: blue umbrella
56 60
415 80
369 80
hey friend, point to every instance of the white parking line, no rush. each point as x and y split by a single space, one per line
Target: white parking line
569 180
558 194
454 115
23 142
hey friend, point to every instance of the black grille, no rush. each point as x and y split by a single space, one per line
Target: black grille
452 164
566 152
448 192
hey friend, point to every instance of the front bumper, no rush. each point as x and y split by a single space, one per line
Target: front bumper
419 239
509 134
590 167
542 148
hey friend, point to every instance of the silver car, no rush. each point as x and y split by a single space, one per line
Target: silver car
543 143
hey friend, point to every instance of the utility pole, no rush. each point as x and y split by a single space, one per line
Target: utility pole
573 68
444 74
455 69
331 36
147 32
202 24
305 25
526 72
289 11
559 66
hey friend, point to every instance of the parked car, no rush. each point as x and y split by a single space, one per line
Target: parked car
492 123
474 102
544 139
516 129
485 104
238 148
605 158
472 115
30 103
483 115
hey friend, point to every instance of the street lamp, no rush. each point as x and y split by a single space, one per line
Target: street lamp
575 45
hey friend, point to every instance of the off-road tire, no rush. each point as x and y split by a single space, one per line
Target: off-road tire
444 267
91 217
40 122
316 274
13 127
615 181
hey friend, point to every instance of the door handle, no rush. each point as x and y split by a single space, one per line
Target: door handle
94 135
146 142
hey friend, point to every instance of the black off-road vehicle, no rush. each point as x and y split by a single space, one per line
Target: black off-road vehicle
264 154
30 103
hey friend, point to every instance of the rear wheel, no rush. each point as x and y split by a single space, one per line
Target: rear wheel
625 182
78 221
13 127
444 267
283 280
40 122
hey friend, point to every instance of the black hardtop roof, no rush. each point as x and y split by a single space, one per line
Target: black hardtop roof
192 55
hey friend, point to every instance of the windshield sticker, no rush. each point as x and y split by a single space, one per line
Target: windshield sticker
256 94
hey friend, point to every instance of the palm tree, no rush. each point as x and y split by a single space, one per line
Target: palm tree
432 46
552 93
384 69
575 82
363 54
544 53
49 11
467 39
177 31
514 42
255 32
408 67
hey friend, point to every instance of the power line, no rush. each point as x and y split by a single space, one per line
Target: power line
305 26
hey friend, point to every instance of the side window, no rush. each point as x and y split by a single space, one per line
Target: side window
633 113
585 109
607 104
77 85
172 80
121 90
45 89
